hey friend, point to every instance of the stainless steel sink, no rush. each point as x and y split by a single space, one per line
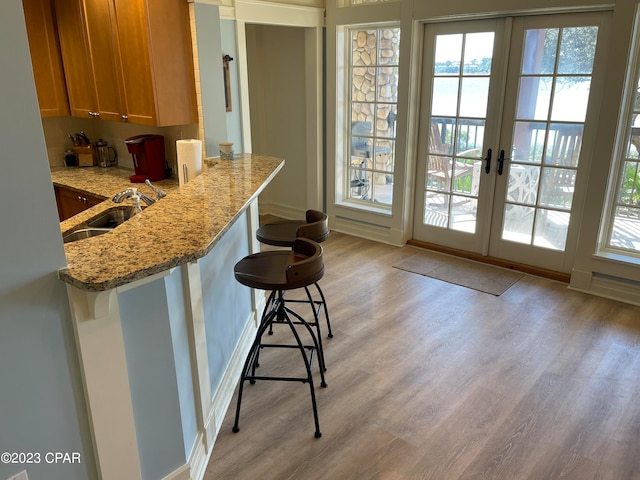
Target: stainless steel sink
84 233
111 218
99 225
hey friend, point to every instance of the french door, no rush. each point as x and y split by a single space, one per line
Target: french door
504 107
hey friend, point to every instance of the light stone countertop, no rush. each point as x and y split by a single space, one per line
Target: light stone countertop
178 229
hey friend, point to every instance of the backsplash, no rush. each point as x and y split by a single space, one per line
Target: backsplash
57 130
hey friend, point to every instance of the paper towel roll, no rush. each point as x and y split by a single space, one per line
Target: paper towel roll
189 154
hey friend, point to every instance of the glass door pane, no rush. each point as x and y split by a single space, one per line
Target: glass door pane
552 99
529 109
460 79
459 122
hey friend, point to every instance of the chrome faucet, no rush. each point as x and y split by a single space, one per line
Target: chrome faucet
128 193
121 196
158 191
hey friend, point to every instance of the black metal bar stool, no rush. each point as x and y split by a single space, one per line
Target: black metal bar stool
283 234
279 271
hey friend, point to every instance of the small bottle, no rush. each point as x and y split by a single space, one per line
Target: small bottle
135 202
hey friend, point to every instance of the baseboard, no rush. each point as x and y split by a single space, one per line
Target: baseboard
282 211
369 231
618 290
196 465
200 455
198 459
182 473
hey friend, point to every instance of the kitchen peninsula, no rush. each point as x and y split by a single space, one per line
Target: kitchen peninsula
161 326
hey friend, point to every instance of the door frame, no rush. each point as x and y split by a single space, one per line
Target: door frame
587 145
312 20
508 249
464 240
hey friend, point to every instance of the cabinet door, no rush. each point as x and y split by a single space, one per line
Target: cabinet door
157 61
77 62
128 60
75 51
85 29
46 58
71 203
132 32
99 18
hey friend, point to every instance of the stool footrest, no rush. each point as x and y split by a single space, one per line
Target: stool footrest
280 379
284 345
319 306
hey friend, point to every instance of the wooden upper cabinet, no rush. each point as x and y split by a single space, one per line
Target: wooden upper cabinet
99 18
75 53
135 61
130 60
156 61
45 58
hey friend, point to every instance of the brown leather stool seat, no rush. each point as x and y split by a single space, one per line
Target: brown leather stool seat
279 271
315 226
283 233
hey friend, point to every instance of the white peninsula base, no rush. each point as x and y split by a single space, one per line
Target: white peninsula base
161 357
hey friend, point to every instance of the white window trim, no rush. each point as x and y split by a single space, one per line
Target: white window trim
604 250
343 121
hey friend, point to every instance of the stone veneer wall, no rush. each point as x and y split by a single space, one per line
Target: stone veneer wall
374 94
375 78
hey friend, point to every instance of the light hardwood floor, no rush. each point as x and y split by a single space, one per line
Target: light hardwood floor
428 380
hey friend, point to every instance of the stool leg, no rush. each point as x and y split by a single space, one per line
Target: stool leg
316 345
280 310
307 365
277 305
270 307
326 311
251 362
316 315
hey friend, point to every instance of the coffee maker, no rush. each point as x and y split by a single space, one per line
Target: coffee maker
148 157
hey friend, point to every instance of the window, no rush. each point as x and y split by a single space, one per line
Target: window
372 106
623 225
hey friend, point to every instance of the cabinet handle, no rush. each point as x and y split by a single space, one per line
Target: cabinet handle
501 160
125 117
487 167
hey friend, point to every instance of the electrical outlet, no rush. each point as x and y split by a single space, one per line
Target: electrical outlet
19 476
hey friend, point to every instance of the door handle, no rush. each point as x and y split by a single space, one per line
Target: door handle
487 167
501 162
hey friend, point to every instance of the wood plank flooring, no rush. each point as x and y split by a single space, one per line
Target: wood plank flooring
428 380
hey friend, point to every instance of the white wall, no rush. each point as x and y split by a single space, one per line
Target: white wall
154 329
276 64
234 117
209 45
41 399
